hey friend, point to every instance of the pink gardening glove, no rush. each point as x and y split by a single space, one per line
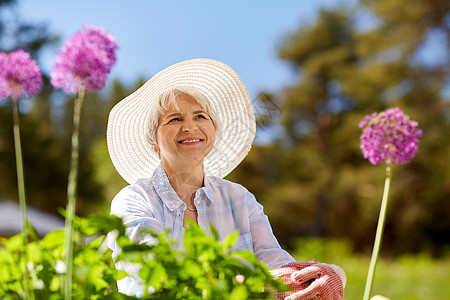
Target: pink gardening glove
312 280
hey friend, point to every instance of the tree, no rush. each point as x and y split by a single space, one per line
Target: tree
320 184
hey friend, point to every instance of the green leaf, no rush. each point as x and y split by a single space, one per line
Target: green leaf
34 252
95 277
229 241
239 293
255 284
246 255
156 276
214 233
53 239
192 269
14 243
105 223
31 231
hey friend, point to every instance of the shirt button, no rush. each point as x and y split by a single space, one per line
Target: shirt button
197 202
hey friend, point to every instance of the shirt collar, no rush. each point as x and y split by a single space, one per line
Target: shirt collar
168 195
207 188
164 189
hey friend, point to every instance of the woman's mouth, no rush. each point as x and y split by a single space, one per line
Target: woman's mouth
190 141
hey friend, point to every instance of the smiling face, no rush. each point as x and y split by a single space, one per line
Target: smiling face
185 133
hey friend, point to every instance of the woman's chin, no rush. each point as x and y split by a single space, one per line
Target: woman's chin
190 158
194 153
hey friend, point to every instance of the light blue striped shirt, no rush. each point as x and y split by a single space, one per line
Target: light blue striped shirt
152 203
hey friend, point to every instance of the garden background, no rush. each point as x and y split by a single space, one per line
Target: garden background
312 79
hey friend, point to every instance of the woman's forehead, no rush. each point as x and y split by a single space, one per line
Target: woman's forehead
180 103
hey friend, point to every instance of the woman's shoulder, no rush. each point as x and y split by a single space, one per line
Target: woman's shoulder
226 185
133 195
140 185
141 188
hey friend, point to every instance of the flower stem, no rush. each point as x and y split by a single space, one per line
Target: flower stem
72 195
19 165
20 185
379 235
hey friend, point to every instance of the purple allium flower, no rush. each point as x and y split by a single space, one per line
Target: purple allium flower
85 60
20 76
389 137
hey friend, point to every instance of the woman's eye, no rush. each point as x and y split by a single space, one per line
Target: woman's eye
174 119
202 117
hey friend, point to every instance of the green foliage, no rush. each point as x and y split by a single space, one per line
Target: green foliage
36 270
207 269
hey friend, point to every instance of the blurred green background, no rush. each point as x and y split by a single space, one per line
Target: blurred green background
321 196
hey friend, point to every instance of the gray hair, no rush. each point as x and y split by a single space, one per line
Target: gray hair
169 98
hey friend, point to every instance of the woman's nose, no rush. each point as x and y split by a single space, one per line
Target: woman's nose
188 126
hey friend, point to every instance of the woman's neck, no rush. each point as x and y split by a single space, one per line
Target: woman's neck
185 179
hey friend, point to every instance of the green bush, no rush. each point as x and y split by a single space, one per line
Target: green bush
207 269
36 270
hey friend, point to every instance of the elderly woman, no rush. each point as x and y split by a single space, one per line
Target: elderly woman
173 140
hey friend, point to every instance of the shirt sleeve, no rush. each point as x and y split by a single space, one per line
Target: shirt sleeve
265 245
133 206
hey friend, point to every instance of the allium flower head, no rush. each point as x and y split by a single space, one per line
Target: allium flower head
389 137
85 60
20 76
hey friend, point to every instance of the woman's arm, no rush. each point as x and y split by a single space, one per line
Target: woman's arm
133 205
265 245
307 279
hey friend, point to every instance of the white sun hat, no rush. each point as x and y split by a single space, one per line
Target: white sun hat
128 147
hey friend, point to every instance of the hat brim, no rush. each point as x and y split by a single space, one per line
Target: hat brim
128 147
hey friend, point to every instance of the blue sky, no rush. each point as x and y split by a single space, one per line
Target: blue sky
244 34
155 34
